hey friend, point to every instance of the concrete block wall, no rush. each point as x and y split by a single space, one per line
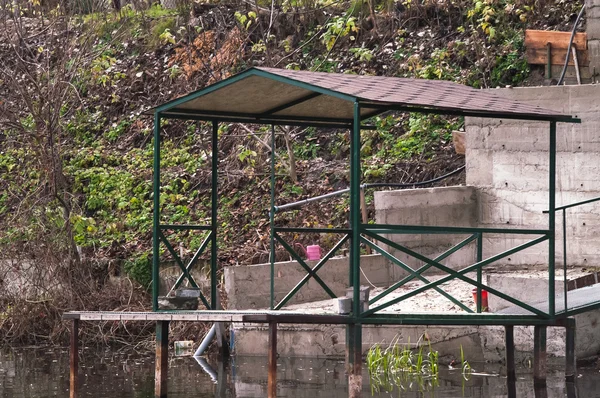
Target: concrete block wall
248 287
448 206
508 160
592 11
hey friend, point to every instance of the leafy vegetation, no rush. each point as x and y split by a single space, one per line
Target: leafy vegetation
76 150
397 367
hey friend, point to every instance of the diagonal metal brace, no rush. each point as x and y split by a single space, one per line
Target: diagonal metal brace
313 274
458 274
177 259
314 271
192 261
414 273
424 268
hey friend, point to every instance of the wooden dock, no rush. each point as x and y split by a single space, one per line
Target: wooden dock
273 318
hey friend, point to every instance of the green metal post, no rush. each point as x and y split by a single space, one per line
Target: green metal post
355 211
552 221
213 221
479 270
272 217
353 331
156 215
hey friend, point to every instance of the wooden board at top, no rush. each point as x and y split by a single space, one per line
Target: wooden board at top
559 40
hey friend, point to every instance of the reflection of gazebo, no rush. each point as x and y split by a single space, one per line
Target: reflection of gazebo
284 97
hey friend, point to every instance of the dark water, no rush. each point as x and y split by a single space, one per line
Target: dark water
44 373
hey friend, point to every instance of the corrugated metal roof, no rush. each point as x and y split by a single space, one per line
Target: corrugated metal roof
286 96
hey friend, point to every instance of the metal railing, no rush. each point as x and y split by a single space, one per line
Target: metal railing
563 209
474 234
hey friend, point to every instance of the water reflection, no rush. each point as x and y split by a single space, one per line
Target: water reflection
40 373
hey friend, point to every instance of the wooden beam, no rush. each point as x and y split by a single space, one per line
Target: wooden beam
539 356
74 360
539 56
509 332
161 371
559 40
272 380
536 42
571 365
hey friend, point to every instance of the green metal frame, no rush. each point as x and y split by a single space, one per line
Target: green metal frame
357 233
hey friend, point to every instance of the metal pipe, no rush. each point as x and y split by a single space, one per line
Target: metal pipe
562 75
365 186
207 369
206 341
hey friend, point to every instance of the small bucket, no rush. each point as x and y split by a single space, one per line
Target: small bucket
484 299
313 252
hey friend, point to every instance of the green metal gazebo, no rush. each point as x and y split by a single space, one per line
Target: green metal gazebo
284 97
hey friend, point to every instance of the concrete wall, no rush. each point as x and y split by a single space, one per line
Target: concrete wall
508 162
480 343
592 12
528 288
248 287
448 206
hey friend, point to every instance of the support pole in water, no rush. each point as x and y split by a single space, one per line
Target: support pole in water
571 367
161 371
509 333
539 356
272 381
355 365
74 362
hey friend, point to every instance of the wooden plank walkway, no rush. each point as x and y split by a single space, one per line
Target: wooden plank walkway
295 317
256 316
578 301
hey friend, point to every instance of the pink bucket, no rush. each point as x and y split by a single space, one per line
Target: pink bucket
313 252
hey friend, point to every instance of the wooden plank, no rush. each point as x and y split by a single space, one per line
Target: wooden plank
272 379
162 359
112 317
559 40
459 140
539 356
74 360
510 352
90 316
538 56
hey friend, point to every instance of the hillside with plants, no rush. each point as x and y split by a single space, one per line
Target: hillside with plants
76 150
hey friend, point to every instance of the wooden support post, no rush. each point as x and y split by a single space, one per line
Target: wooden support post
539 356
355 373
511 388
571 366
540 391
161 371
222 342
549 60
509 333
272 381
74 371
